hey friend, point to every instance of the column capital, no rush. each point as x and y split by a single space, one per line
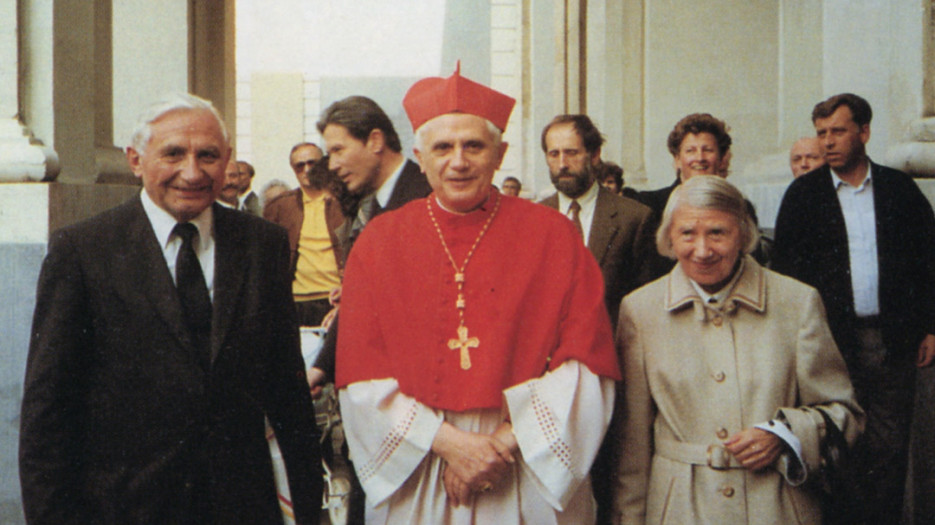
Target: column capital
916 156
22 157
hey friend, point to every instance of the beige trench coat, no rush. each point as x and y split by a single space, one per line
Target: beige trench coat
694 376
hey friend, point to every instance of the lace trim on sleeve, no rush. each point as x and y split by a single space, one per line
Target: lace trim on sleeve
389 444
550 428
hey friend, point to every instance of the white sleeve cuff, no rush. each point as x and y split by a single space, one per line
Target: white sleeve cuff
792 468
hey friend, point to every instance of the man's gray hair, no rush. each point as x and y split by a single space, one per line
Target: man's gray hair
495 134
707 192
143 130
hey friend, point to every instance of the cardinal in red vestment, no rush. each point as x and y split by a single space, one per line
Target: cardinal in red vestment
475 362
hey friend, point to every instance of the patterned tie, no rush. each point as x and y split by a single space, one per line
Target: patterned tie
575 209
193 292
365 210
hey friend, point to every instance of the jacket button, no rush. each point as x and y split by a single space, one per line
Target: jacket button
718 321
722 433
719 377
728 492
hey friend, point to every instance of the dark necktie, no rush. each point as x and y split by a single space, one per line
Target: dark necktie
575 209
193 292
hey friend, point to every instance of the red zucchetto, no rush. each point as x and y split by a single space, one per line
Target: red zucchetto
434 96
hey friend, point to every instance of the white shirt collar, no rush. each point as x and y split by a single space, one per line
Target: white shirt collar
163 222
585 200
386 190
838 181
226 205
588 203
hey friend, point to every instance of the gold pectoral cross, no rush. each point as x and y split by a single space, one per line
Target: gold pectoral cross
464 344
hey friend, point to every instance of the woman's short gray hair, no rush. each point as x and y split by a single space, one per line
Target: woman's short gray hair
495 134
707 192
143 130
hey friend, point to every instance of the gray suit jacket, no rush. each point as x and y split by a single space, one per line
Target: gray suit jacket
622 242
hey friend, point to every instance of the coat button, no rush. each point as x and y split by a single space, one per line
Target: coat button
722 433
719 377
728 491
718 320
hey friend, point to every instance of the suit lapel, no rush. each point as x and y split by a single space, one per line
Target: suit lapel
410 186
603 227
230 267
150 273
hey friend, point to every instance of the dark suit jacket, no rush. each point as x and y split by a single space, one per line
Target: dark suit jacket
251 204
124 422
622 241
811 245
288 211
410 185
657 199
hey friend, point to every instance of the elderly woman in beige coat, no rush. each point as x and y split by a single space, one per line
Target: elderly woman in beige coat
728 368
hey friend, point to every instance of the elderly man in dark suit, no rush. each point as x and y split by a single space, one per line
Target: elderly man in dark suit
164 333
864 236
618 231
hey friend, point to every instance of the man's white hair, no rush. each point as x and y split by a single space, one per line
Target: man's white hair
495 134
143 130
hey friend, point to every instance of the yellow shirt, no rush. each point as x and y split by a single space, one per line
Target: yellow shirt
316 268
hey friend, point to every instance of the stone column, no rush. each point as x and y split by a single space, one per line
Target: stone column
22 156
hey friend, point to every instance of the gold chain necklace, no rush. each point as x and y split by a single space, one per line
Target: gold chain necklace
462 342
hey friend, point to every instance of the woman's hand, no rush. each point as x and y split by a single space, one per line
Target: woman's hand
755 449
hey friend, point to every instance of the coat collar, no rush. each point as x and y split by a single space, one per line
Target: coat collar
750 290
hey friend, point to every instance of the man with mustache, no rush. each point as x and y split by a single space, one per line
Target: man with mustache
228 197
249 200
618 232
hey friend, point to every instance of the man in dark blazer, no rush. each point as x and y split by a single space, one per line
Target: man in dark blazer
864 236
164 334
248 199
618 231
364 149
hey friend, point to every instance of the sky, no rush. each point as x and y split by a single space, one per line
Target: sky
327 38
